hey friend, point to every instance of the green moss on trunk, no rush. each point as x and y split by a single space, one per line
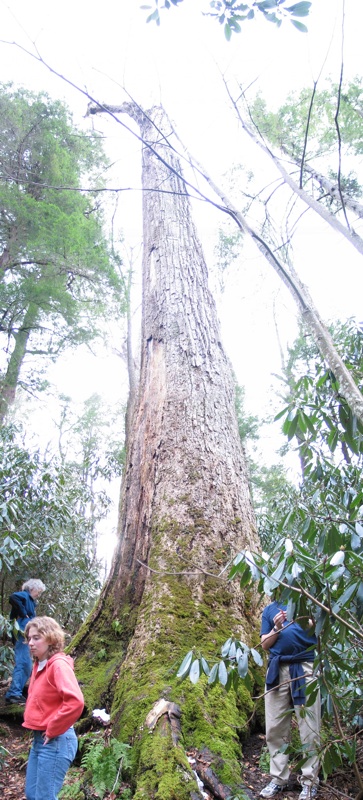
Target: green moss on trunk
163 770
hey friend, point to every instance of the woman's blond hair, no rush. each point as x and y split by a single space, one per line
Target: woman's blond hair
51 630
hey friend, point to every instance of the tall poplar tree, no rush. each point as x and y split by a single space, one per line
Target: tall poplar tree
185 509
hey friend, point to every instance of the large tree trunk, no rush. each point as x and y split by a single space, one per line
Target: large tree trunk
185 510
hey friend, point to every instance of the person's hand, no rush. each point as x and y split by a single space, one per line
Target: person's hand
279 619
46 739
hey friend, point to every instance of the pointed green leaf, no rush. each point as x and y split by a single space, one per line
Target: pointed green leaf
320 620
265 5
235 25
281 413
309 423
185 665
154 16
213 675
194 671
344 598
256 657
242 665
205 666
222 673
232 651
299 25
292 428
300 9
225 647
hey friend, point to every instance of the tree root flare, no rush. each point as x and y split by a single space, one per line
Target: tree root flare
200 761
173 713
202 766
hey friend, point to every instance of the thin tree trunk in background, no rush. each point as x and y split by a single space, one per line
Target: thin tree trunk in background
185 510
10 381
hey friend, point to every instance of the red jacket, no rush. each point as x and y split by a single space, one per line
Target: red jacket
55 700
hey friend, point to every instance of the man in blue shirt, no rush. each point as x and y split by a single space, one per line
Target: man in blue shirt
290 667
23 606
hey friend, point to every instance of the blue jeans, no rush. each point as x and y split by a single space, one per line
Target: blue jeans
48 764
22 669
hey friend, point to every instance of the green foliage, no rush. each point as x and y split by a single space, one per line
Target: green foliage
93 439
117 627
317 416
306 124
228 671
4 753
228 248
57 271
319 425
271 490
315 561
286 127
264 760
6 651
106 762
72 791
247 423
230 13
45 531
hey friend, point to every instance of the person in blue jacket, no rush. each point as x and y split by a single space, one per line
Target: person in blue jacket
290 667
23 605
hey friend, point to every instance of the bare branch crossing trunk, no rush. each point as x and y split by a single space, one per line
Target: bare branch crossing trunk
333 190
185 510
309 313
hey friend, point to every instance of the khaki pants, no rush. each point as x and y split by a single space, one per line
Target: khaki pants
278 710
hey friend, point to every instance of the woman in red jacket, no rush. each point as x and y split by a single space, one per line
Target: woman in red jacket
54 703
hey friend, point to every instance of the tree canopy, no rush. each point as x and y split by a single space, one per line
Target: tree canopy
56 270
320 131
231 13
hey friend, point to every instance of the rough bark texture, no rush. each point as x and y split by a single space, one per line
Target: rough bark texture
185 510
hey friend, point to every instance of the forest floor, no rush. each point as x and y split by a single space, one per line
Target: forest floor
340 786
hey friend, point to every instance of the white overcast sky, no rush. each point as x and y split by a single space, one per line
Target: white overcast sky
103 47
